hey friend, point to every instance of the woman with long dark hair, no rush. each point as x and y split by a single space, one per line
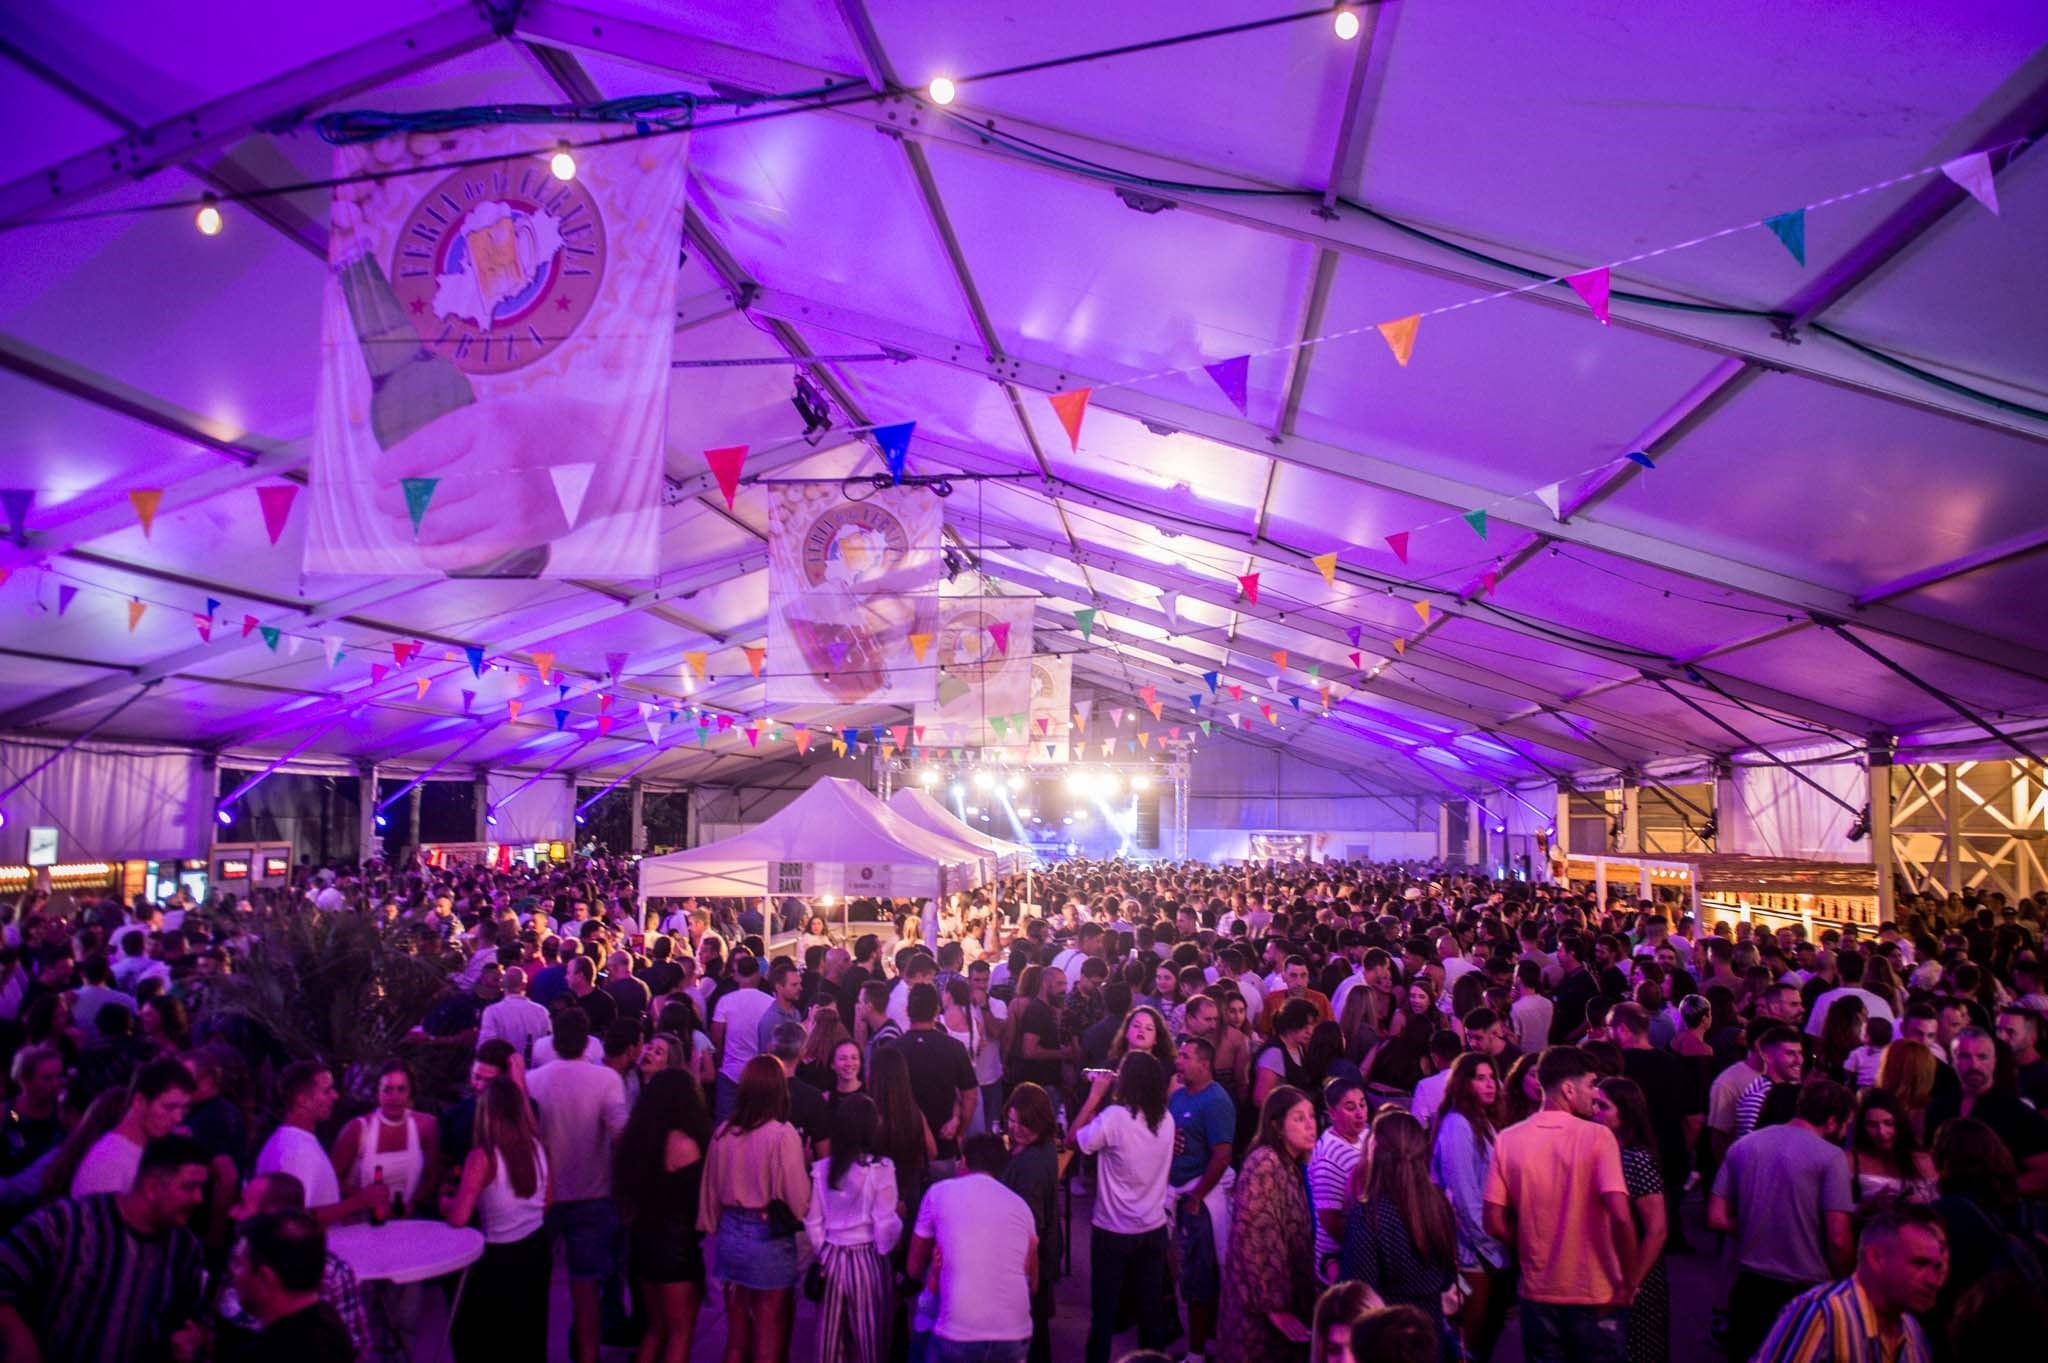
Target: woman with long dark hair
1619 1105
1132 1140
1886 1161
853 1226
1522 1093
1400 1238
904 1137
656 1177
1461 1154
1283 1061
1034 1175
1841 1033
1269 1270
505 1186
754 1180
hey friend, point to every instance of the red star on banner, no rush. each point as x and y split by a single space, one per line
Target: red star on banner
562 303
418 305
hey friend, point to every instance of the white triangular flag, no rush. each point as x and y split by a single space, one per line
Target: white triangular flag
1973 173
572 481
1552 497
654 731
292 644
1168 601
331 645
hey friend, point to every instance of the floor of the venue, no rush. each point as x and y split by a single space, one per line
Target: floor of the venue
1699 1283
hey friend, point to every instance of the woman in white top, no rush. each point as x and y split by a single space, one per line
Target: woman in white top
506 1189
393 1142
1133 1140
853 1225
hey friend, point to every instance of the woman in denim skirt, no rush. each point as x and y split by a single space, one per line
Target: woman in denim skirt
754 1197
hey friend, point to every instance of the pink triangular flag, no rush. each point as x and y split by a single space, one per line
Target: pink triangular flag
276 501
377 673
1249 582
204 624
1044 726
1973 173
1487 580
1232 376
1070 407
999 631
1398 542
249 623
572 482
726 462
753 736
1236 691
1591 285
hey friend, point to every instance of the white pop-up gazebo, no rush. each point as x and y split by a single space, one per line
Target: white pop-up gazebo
999 856
836 839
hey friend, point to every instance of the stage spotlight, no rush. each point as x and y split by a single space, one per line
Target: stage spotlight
491 816
928 778
957 790
983 780
1016 784
1141 783
1077 783
225 815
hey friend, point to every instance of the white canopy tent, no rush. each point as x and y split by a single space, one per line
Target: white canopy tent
920 808
836 839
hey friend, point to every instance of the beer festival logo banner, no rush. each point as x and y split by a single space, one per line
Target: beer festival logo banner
853 595
494 390
983 652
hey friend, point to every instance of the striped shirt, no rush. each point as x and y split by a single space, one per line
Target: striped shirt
92 1289
1750 1105
1834 1323
1330 1169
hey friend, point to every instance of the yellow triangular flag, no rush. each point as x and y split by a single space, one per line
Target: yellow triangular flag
1401 337
1400 645
697 659
1326 564
919 643
1423 608
145 500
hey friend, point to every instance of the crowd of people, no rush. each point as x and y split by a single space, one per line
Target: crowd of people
1312 1112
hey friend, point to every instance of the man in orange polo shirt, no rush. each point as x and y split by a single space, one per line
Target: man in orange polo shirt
1294 974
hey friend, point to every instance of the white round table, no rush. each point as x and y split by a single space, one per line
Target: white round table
406 1251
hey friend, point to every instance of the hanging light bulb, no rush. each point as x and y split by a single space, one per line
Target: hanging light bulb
942 90
208 219
562 165
1347 23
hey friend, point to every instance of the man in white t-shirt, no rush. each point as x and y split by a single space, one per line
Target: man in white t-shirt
1849 969
735 1029
309 1098
514 1018
987 1245
329 898
158 1100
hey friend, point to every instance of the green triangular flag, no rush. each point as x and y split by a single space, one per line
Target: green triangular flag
271 634
1315 669
1790 228
1000 724
1086 620
1477 520
1205 726
418 492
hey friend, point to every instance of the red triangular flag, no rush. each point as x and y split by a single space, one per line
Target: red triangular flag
726 462
1236 692
1070 407
204 624
1249 582
276 501
1592 286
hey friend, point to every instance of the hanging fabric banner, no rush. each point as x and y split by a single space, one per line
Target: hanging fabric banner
849 584
975 683
488 331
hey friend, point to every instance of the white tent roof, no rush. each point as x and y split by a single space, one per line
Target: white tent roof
920 808
843 839
1856 437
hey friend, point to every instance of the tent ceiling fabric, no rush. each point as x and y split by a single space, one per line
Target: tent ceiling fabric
1790 479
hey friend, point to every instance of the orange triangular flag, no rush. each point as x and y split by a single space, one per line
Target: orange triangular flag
697 659
1326 564
423 682
802 739
512 709
145 500
1070 407
1400 645
1280 658
1422 608
1157 707
755 657
919 643
544 663
135 610
1401 337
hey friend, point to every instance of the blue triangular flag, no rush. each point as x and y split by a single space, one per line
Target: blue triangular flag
1194 702
1297 702
1790 228
1638 457
1212 678
852 737
1232 376
212 605
476 661
561 718
894 442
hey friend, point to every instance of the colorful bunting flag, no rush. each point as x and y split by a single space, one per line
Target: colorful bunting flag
1070 407
1000 726
468 699
419 492
1400 645
1084 710
1233 376
1400 336
1640 457
377 673
1156 707
802 739
1205 728
475 656
1973 173
145 501
1592 285
249 623
1249 584
204 624
724 723
1279 656
1423 608
276 500
1148 694
1116 717
561 719
615 665
421 683
1169 603
330 646
1236 691
726 462
1790 230
544 666
697 660
1144 738
756 656
1326 564
1552 498
135 610
212 606
1357 658
894 443
753 736
999 632
512 709
1477 520
65 591
1085 619
1352 632
1195 702
918 644
1212 680
15 501
572 484
1487 580
1398 542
